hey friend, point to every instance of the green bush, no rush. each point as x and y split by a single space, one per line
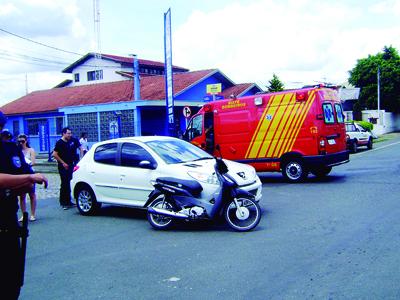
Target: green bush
366 125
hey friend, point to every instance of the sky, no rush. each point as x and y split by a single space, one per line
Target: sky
301 41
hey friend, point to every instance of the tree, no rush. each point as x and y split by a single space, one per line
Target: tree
364 75
275 85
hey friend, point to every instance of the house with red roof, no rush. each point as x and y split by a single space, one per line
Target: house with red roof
104 106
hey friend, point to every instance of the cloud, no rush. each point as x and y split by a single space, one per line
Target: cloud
58 23
300 41
14 87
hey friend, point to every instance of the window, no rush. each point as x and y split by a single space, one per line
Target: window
195 127
106 154
95 75
59 125
76 77
329 117
34 125
16 128
339 113
132 155
177 151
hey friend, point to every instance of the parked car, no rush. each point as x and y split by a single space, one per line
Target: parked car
120 171
357 136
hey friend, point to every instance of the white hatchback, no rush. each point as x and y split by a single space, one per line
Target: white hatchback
120 171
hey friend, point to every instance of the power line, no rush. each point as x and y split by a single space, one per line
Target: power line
39 43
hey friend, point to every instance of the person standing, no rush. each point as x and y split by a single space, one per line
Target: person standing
12 183
84 143
65 154
30 158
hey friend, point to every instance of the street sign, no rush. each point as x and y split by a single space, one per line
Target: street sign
213 97
214 88
187 112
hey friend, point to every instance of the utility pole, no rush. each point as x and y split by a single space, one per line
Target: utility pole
379 95
26 84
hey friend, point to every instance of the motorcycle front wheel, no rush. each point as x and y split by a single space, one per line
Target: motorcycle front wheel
246 217
160 221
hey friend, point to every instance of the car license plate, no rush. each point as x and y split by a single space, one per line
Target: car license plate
331 142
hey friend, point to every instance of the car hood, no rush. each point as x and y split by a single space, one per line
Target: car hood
243 174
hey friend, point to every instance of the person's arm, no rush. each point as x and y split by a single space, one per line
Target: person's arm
21 183
33 157
58 158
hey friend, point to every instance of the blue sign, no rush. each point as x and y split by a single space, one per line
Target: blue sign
114 130
43 137
169 88
213 97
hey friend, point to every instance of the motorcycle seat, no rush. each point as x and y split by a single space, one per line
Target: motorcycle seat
192 186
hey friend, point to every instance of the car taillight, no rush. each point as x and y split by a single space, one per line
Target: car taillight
76 168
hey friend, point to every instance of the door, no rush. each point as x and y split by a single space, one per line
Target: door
334 128
102 172
134 185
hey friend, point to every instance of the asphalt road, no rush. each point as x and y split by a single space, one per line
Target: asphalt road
338 238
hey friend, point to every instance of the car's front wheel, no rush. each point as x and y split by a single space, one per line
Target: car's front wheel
86 201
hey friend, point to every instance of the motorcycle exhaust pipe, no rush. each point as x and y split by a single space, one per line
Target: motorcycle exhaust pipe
164 212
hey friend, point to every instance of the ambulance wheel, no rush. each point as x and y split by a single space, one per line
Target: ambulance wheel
321 171
294 170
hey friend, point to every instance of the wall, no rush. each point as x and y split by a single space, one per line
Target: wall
108 67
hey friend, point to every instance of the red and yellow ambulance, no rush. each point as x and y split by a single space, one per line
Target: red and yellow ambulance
293 131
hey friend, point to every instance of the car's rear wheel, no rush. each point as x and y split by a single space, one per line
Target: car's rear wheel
86 201
370 143
353 146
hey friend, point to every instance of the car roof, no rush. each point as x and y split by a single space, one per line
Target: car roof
142 139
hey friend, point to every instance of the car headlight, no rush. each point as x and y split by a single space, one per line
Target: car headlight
203 177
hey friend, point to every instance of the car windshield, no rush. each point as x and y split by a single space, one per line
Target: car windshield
177 151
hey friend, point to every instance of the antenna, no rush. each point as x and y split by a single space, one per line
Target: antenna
96 20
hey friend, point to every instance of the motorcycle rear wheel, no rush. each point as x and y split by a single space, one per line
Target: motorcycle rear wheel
248 220
157 221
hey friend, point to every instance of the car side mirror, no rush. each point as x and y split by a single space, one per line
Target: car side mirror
145 164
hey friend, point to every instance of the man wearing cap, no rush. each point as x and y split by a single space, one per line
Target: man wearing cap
12 183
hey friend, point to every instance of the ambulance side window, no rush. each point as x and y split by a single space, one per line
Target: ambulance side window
195 127
339 113
329 116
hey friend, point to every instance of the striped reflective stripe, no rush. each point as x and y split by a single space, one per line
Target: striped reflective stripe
258 136
302 117
279 126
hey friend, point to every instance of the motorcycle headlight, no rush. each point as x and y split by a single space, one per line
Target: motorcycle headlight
203 177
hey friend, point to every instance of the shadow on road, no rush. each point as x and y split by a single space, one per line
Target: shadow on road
277 178
180 226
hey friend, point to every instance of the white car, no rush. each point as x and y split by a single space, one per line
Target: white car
119 171
357 136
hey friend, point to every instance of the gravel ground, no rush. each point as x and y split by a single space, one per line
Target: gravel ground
53 188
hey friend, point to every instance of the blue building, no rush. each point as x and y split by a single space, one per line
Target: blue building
99 100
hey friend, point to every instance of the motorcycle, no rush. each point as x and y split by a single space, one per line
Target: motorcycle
177 199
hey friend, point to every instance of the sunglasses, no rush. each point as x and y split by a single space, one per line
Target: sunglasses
21 141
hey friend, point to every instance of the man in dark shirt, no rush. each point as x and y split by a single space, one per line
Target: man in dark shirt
65 154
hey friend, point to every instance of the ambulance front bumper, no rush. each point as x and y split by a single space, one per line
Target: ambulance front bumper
328 160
